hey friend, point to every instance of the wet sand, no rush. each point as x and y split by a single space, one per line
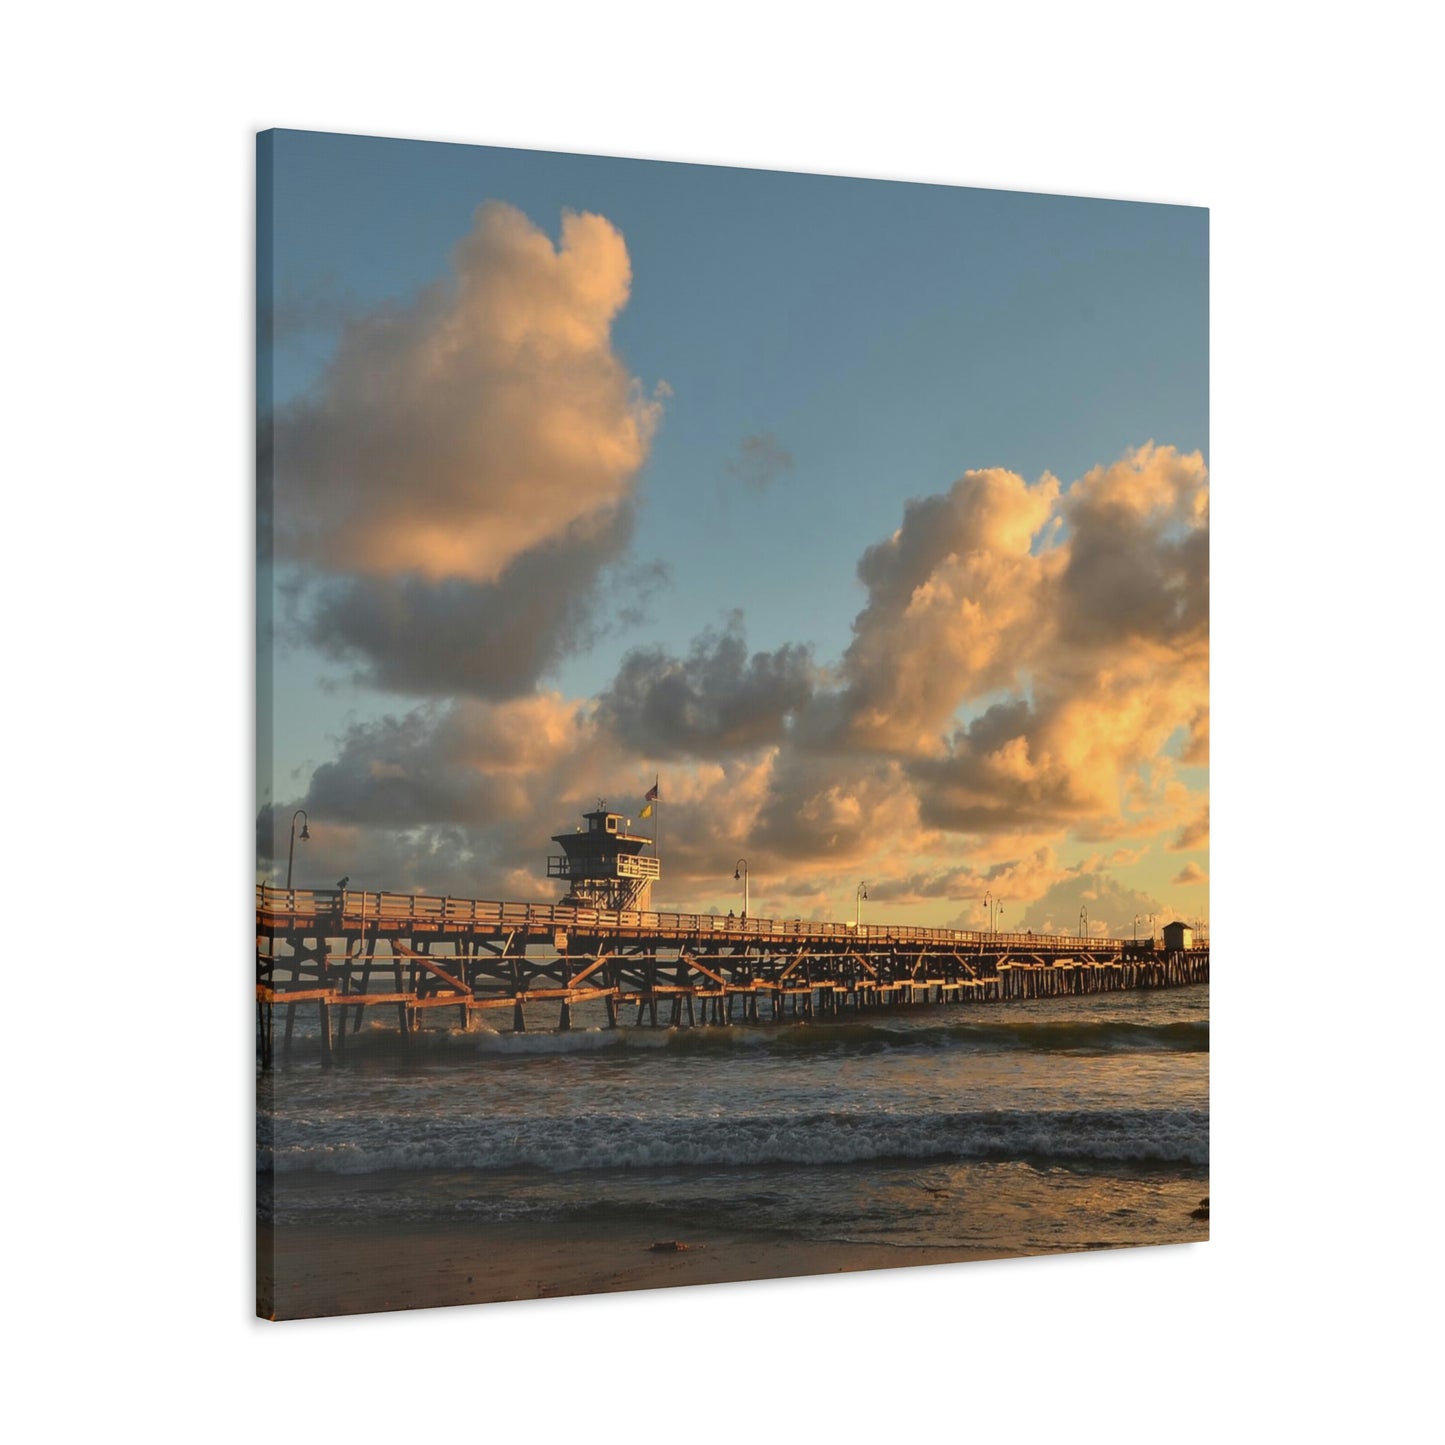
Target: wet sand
362 1269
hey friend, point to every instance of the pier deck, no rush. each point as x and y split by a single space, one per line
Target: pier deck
329 946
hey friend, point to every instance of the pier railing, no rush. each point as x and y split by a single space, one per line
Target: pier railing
351 909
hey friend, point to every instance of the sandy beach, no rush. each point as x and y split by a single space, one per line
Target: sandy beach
362 1269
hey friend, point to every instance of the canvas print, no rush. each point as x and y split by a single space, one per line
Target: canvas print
733 724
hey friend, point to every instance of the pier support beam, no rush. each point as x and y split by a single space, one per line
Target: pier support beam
321 948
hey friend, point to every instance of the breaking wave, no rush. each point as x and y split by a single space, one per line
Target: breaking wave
614 1142
861 1036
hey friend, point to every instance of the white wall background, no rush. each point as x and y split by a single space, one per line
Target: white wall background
127 323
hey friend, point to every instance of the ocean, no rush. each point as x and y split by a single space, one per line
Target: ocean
1029 1126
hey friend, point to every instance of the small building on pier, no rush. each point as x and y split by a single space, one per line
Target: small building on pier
604 863
1177 936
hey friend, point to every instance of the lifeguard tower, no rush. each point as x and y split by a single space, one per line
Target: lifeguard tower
605 864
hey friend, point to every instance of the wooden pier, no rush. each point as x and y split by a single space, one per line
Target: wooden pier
329 947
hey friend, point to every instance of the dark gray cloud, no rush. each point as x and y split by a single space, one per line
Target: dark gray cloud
434 859
760 461
457 637
266 824
445 798
717 700
470 763
403 771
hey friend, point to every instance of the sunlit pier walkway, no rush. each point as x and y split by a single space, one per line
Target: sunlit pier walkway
347 951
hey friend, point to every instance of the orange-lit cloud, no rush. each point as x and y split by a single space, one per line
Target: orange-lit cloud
1028 664
464 472
1107 596
1068 758
957 608
451 435
1017 878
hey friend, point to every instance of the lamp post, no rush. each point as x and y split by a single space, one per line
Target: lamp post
862 893
1083 921
305 838
994 908
1136 928
740 870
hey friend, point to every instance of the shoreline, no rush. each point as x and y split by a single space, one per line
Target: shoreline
373 1268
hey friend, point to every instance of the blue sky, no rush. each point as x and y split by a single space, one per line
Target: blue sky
875 339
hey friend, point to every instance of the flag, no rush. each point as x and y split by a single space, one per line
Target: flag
647 811
652 795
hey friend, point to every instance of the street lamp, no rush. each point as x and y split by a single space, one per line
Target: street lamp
741 871
1136 928
305 838
858 912
1083 921
988 908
